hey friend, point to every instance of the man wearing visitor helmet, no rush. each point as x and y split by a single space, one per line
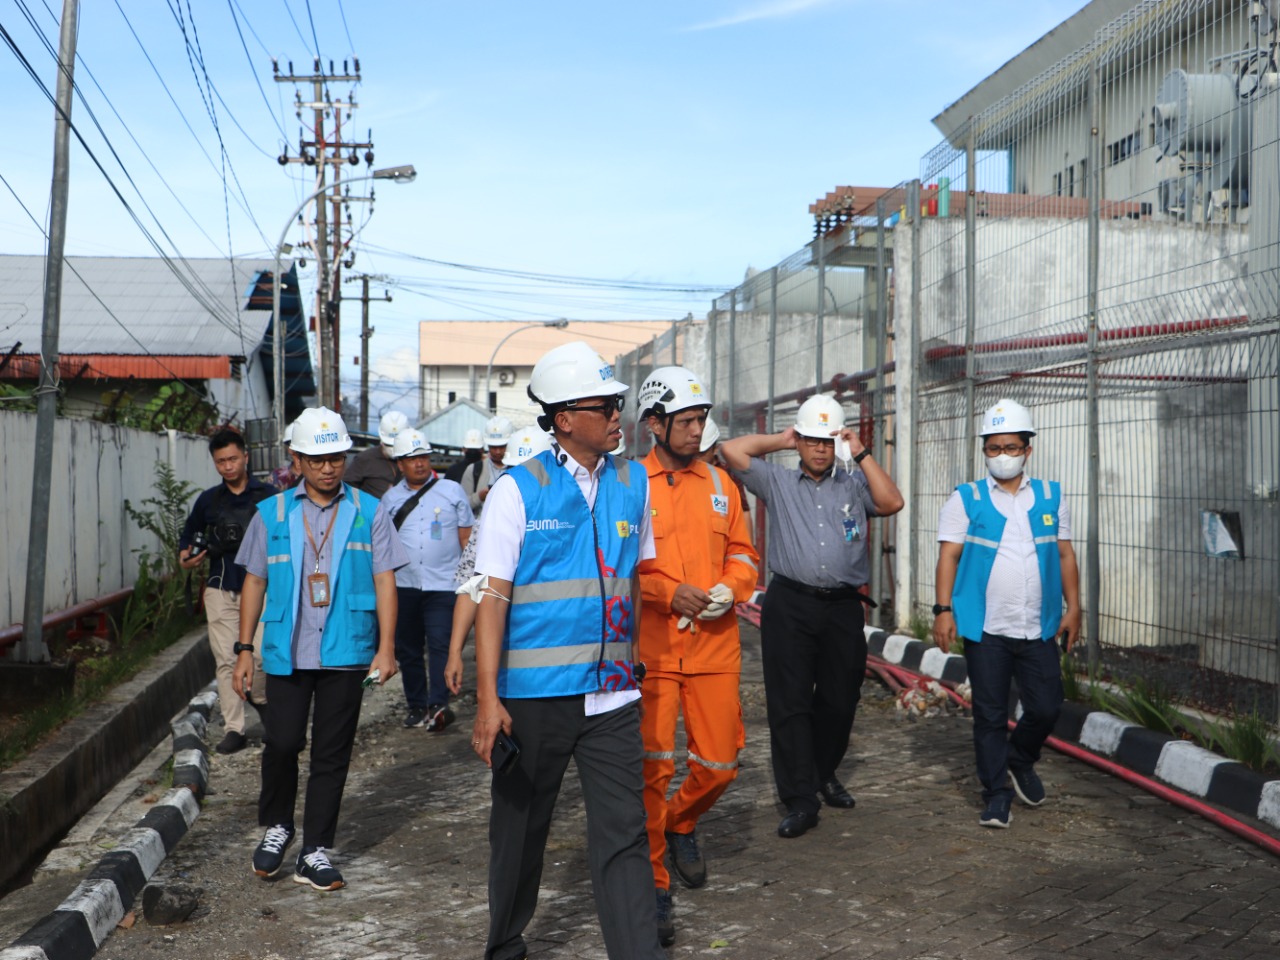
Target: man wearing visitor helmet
556 679
1005 566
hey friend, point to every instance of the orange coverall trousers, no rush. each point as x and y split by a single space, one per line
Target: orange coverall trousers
714 735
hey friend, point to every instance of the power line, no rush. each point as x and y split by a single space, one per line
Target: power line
312 21
262 90
347 30
657 286
189 284
289 10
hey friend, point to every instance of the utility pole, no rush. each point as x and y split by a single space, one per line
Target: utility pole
366 332
324 150
32 649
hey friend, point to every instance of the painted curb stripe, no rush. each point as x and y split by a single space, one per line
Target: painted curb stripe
98 901
168 822
147 848
1187 766
1236 786
181 799
62 934
121 868
1101 733
894 646
27 952
1140 749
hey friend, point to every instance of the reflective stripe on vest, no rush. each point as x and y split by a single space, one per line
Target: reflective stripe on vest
982 541
577 589
563 656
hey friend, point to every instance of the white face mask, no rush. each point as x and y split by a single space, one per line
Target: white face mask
1005 467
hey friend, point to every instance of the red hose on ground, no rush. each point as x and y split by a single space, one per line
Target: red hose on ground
1168 794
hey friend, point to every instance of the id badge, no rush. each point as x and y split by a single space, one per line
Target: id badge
851 531
436 530
318 589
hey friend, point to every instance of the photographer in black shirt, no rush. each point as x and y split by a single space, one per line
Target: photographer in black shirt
213 532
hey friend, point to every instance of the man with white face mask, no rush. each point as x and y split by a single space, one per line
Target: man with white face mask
1005 566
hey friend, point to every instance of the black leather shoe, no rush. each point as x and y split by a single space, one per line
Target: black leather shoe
797 823
835 795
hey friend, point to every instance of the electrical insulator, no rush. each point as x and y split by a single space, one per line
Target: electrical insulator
283 159
368 157
344 67
349 263
309 159
353 159
356 61
291 66
302 263
275 66
317 64
330 68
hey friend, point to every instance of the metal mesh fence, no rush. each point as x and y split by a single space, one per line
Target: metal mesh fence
1102 245
1123 285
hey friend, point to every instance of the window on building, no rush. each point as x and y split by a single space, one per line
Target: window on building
1122 149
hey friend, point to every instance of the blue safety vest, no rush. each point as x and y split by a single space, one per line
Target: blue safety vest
350 637
986 527
569 630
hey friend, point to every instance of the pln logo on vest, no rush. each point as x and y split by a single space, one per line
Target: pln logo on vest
720 504
1047 519
626 529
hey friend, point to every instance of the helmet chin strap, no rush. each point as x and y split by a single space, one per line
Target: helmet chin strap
667 419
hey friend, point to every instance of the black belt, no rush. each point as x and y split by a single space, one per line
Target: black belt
824 593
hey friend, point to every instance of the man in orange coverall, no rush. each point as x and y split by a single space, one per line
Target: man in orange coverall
689 633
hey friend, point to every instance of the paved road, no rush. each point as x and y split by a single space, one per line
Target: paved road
1099 871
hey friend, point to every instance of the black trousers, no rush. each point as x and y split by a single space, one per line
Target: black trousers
815 656
337 696
608 752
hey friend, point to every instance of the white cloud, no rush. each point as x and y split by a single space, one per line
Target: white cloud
772 10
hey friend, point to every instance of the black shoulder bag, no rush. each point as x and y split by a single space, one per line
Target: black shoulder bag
411 504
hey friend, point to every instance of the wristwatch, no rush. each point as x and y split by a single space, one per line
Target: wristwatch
940 608
239 647
862 456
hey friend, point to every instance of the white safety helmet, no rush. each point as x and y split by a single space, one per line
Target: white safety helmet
710 436
410 443
497 432
473 440
317 431
820 417
287 439
621 449
1007 416
524 444
569 372
390 425
669 390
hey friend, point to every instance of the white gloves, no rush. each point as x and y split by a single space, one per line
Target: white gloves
721 603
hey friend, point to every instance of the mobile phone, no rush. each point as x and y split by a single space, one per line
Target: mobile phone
505 752
371 679
1062 640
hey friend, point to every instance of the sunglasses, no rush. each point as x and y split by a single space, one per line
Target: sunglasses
607 409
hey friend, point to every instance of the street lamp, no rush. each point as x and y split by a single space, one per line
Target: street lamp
488 375
401 174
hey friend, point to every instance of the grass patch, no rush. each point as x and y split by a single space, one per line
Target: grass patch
1245 738
1146 703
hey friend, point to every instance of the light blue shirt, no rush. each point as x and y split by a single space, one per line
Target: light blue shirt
429 533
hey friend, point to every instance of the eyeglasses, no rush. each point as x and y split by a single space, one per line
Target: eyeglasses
1012 449
318 463
607 409
816 442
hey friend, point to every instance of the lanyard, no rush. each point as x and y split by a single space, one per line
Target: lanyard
323 540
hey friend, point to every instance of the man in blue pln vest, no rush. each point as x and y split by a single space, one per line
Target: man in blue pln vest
564 533
320 562
1005 566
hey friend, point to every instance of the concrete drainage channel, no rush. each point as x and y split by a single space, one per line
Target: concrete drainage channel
80 924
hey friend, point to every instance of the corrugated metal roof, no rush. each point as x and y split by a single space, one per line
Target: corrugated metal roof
77 366
165 314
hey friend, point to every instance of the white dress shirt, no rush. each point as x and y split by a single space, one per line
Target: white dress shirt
1013 591
499 550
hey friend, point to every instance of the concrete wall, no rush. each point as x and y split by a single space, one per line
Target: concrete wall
1175 415
92 542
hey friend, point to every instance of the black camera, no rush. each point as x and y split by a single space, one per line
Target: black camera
199 544
228 534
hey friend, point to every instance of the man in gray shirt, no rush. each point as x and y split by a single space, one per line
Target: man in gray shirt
320 567
811 623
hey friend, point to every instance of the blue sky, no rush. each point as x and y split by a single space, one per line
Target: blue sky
657 141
